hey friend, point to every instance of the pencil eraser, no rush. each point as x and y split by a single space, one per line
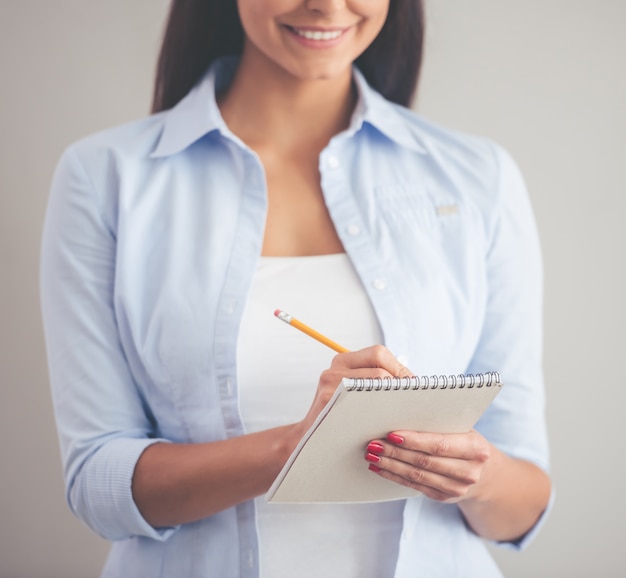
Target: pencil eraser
277 312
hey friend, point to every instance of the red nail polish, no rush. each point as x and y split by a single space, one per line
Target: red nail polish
374 468
372 457
375 448
395 439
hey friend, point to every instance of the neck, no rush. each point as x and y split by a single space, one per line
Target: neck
266 104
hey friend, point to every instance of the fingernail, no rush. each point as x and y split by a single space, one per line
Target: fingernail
375 448
374 468
372 457
395 439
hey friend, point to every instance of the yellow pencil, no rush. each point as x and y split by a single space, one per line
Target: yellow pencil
310 332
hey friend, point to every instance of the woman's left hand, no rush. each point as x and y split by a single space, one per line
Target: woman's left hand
445 467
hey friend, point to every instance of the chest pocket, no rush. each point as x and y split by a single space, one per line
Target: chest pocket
405 206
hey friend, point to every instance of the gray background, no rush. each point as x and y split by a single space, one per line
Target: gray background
545 78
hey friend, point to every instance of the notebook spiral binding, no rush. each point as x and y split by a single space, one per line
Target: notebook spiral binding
488 379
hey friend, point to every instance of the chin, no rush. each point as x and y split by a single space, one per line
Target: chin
321 72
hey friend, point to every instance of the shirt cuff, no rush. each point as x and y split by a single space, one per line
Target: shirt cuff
102 493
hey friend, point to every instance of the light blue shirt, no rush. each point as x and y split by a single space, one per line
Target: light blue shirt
151 239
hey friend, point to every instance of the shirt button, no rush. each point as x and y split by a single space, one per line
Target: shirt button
229 385
333 162
250 559
354 230
379 284
230 307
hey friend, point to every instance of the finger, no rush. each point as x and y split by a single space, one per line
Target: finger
465 446
414 464
434 486
376 356
332 377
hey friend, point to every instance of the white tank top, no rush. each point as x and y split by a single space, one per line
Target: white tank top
278 370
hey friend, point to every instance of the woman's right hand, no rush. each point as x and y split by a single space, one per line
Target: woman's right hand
373 361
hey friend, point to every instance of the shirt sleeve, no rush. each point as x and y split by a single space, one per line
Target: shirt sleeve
512 337
103 423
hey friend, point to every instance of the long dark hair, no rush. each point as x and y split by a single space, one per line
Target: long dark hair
198 31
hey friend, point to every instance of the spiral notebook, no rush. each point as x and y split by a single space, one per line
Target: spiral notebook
328 463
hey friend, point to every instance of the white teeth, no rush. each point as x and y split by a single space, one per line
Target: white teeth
318 34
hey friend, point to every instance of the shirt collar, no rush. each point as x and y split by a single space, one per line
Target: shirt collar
388 118
197 114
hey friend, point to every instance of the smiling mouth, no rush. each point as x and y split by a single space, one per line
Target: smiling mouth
318 34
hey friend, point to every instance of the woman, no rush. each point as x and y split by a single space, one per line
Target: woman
282 168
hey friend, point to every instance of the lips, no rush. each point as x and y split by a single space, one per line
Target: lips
322 35
314 34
